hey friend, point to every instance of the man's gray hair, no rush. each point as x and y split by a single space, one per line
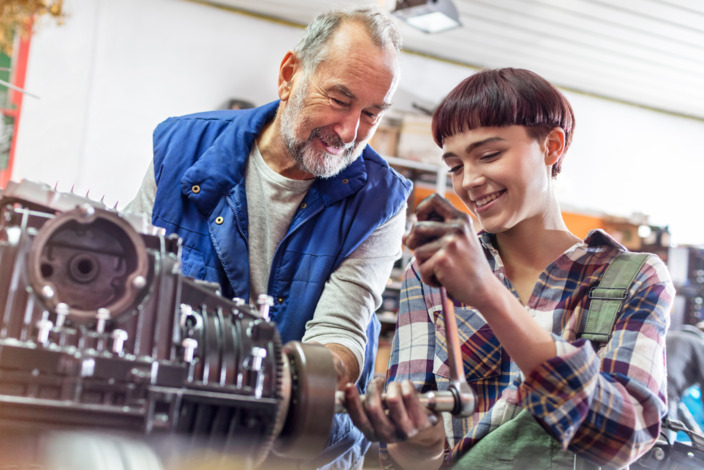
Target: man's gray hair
311 48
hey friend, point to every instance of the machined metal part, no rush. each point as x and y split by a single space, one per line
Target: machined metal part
443 401
99 330
313 383
90 260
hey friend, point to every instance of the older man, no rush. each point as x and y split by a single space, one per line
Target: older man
289 200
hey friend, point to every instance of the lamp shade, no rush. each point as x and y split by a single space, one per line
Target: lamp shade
430 16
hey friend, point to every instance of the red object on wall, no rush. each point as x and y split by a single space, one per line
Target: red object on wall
19 75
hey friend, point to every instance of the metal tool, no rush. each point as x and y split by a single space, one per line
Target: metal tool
459 399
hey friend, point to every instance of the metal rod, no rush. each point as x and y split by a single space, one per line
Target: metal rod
454 353
465 399
438 401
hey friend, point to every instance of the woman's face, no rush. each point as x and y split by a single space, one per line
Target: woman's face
502 174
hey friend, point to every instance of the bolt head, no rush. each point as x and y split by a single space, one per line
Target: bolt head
119 335
103 314
139 282
47 292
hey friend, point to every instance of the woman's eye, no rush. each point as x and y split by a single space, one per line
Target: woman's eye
489 156
454 169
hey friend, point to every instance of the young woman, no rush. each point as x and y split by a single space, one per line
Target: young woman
545 397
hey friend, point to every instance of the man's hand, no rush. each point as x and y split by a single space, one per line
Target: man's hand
415 436
346 364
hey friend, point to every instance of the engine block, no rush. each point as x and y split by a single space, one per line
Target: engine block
99 330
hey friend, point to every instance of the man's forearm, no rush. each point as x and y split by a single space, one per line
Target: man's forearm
346 364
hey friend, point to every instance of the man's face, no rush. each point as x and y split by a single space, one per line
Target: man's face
321 162
330 115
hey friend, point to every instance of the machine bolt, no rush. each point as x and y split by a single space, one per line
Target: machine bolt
102 315
139 282
62 311
88 367
47 292
44 327
189 348
658 454
265 302
186 314
118 341
87 210
258 355
257 358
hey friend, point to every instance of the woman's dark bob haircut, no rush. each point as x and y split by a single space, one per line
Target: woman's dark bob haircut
504 97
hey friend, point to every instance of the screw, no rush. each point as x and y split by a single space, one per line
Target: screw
186 312
189 347
139 282
47 292
62 311
102 315
44 326
658 453
265 301
258 355
118 340
87 210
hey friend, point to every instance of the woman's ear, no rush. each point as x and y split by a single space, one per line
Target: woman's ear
287 69
554 145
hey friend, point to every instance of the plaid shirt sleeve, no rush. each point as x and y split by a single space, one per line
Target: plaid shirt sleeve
413 348
608 407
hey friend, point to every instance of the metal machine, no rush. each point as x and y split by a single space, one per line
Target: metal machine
99 330
101 333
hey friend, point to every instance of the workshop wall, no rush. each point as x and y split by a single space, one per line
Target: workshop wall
114 70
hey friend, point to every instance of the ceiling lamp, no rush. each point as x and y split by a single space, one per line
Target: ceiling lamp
430 16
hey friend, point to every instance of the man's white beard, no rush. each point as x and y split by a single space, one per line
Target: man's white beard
318 163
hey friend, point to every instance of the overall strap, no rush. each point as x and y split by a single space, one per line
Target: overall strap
607 298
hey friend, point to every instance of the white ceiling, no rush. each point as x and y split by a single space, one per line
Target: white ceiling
644 52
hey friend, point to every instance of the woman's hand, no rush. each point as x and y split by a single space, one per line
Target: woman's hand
448 252
416 435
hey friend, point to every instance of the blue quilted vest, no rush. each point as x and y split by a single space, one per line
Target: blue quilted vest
199 165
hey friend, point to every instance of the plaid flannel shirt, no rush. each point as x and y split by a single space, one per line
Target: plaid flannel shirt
605 407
